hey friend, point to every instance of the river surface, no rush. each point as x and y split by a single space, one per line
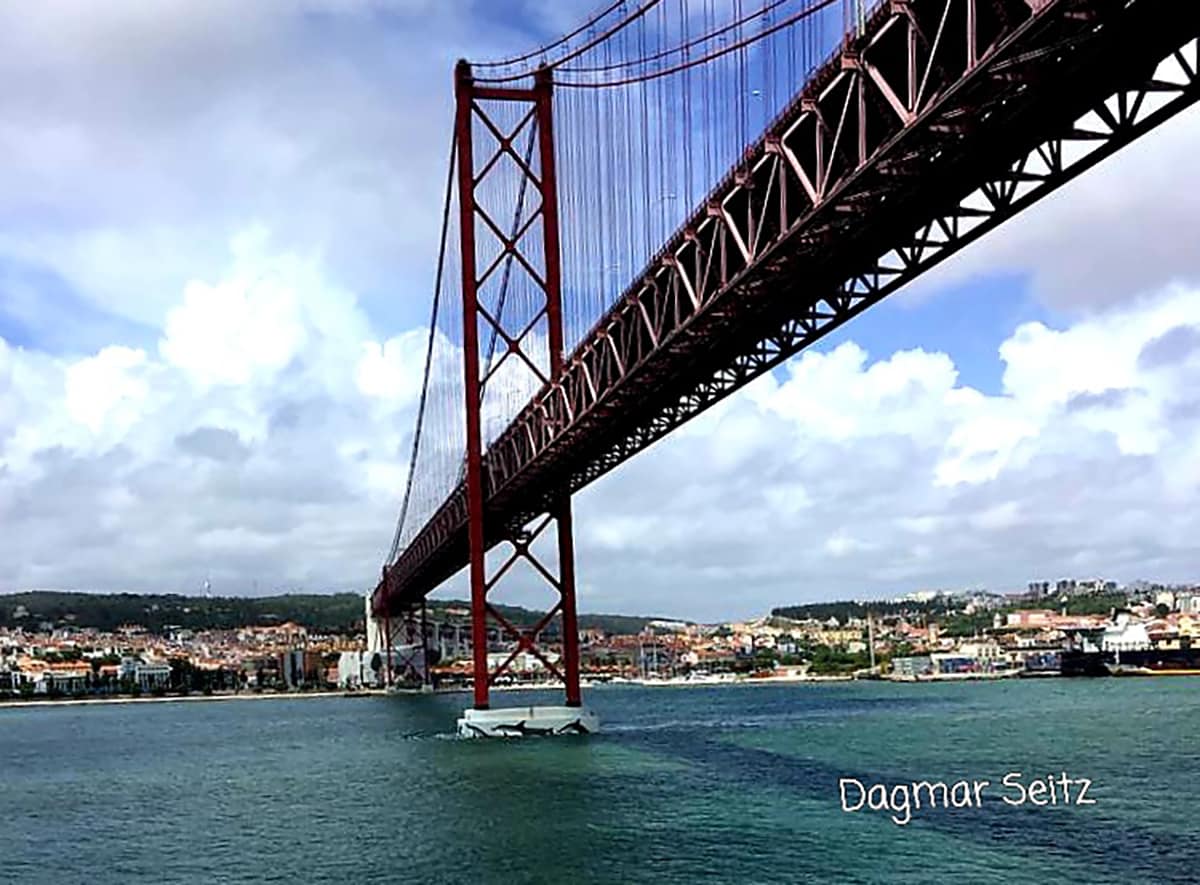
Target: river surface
721 784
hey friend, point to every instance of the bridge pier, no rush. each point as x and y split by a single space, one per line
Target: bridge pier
491 107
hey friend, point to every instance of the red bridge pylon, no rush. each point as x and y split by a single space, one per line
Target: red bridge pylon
523 267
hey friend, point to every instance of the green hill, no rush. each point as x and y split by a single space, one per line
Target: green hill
326 613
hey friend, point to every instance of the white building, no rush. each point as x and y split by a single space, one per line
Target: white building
1125 635
1188 602
980 649
65 678
525 662
146 675
355 669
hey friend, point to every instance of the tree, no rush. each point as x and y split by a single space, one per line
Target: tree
829 661
765 656
966 625
182 674
1096 604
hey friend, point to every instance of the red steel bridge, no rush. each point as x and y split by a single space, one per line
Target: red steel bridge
649 213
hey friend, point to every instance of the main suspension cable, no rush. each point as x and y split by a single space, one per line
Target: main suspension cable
726 50
591 44
542 50
437 290
681 49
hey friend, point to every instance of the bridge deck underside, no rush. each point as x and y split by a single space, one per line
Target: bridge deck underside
855 190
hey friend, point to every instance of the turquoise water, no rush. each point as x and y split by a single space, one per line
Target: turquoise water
730 784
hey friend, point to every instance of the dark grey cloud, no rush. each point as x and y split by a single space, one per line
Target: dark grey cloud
140 137
1104 399
1170 348
110 522
212 442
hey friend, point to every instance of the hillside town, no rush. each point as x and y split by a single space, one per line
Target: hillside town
1070 627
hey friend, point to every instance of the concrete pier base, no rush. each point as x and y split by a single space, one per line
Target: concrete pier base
527 722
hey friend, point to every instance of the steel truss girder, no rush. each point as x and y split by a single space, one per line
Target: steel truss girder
1032 177
943 144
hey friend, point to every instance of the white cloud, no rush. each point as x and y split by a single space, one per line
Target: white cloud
283 465
1123 229
910 479
250 322
841 543
139 137
384 371
108 388
244 446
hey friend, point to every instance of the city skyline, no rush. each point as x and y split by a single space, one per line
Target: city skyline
1048 591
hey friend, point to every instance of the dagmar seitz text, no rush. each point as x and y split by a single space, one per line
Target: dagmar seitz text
903 801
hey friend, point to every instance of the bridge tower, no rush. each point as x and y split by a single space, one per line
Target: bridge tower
497 120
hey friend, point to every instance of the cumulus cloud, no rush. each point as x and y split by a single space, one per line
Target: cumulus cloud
264 442
1122 230
850 476
139 137
261 442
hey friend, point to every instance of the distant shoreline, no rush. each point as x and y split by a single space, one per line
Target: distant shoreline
167 699
385 692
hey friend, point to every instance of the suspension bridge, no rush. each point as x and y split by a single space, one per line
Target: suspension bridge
645 215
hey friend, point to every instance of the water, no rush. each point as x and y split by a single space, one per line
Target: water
715 784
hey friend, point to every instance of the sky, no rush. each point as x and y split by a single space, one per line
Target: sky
218 226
